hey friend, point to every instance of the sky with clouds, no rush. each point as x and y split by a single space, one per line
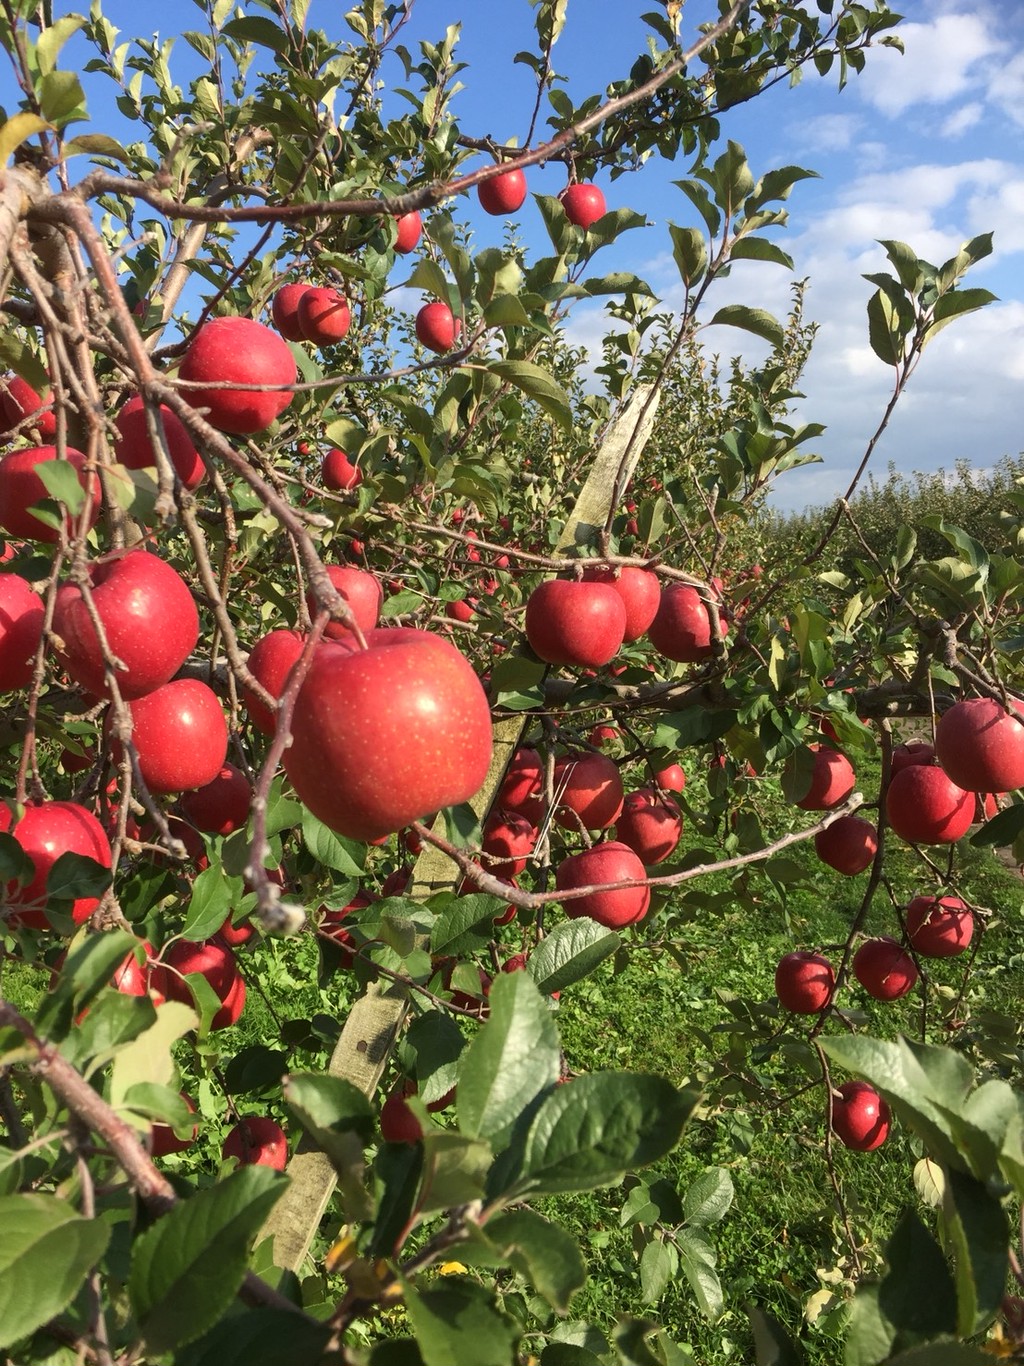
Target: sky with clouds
927 147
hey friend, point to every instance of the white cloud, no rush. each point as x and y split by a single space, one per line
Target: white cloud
824 133
962 119
1006 88
940 63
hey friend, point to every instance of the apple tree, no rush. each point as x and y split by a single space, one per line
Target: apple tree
373 678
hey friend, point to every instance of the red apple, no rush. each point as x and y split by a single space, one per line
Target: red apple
180 735
523 779
134 448
605 864
210 958
339 473
804 982
270 662
138 975
860 1117
681 629
832 780
508 841
45 831
163 1141
924 806
149 617
409 229
362 592
257 1141
285 311
18 401
324 315
848 845
436 326
239 351
604 735
575 622
504 193
884 969
588 791
640 592
21 626
939 927
398 1124
459 610
671 778
222 805
21 488
383 736
911 753
980 746
583 204
650 824
236 935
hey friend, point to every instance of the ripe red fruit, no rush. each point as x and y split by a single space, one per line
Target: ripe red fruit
640 592
383 736
508 841
409 229
884 969
911 753
270 661
860 1117
18 400
149 617
163 1140
651 824
234 1003
832 780
804 982
285 311
459 610
362 592
45 831
180 734
21 625
939 927
236 935
924 806
138 975
575 622
324 315
398 1124
222 805
605 864
588 791
583 203
21 488
436 326
681 629
521 786
981 746
504 193
134 447
257 1141
339 473
848 845
211 958
242 351
671 778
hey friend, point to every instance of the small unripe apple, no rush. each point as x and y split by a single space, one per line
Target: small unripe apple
408 230
240 351
925 806
503 194
848 845
939 927
436 326
285 311
588 791
324 315
860 1117
574 622
583 203
257 1141
884 969
606 864
339 473
804 982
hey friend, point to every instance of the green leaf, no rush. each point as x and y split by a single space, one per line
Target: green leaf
591 1130
697 1263
148 1058
756 320
659 1263
260 1337
16 130
690 253
256 1068
759 249
513 1058
453 930
545 1254
210 903
956 304
263 32
917 1295
772 1344
61 98
428 276
458 1323
454 1168
95 144
46 1252
344 856
86 971
75 875
506 311
708 1199
869 1334
538 385
979 1235
189 1266
888 328
569 953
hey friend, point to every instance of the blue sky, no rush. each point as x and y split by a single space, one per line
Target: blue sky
927 147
